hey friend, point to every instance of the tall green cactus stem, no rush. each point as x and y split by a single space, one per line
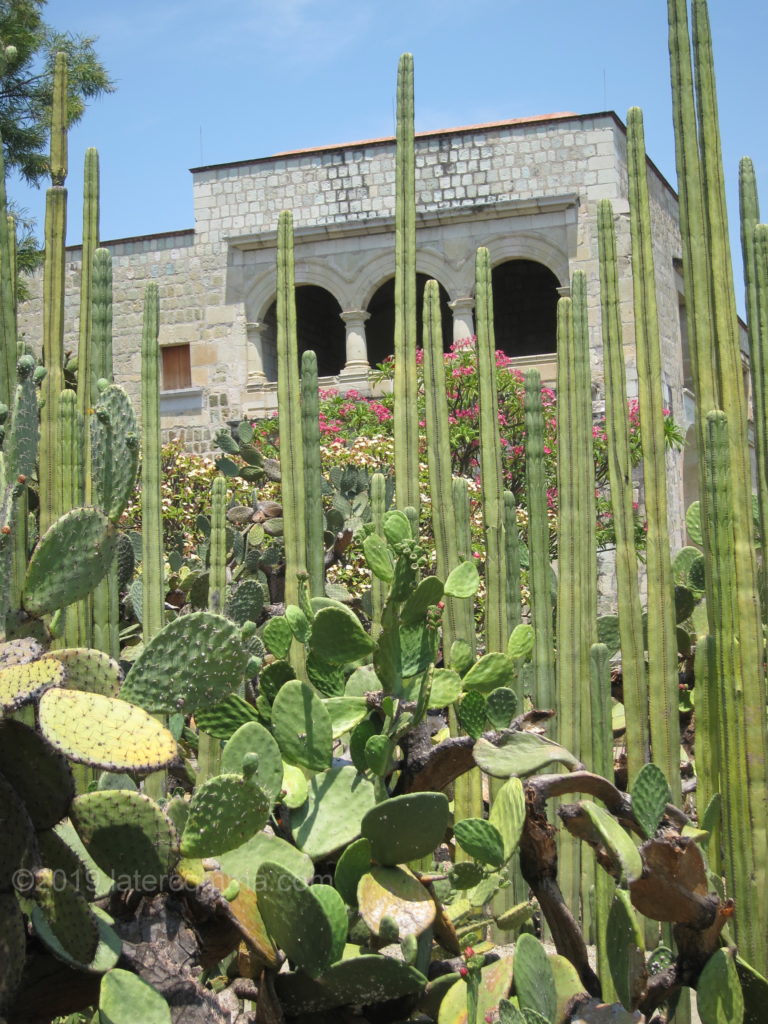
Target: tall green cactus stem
602 764
663 692
406 419
496 621
455 618
106 597
85 380
512 538
540 574
378 587
53 302
310 426
7 300
754 245
289 414
217 585
742 727
151 471
620 479
77 618
463 519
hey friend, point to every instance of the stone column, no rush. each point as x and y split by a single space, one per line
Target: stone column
357 350
463 321
255 352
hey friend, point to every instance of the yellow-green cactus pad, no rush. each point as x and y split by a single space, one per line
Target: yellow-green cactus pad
244 910
13 947
195 662
68 916
107 951
40 775
92 671
225 812
128 836
363 979
253 738
123 996
20 652
52 582
397 894
534 978
104 732
495 983
20 684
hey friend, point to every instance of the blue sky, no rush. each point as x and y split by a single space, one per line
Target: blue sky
201 82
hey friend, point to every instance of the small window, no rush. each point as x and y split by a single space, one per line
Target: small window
177 368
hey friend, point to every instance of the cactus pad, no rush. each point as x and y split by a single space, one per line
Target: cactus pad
302 727
245 602
338 636
92 671
626 950
224 719
104 732
53 582
128 836
616 840
20 652
338 801
68 916
363 979
253 738
495 983
225 812
481 840
521 754
650 795
244 910
508 814
278 636
295 918
501 707
108 949
394 892
405 828
490 671
48 789
57 855
534 978
194 662
20 684
336 911
13 946
115 450
18 848
346 713
244 862
121 990
353 863
463 581
472 713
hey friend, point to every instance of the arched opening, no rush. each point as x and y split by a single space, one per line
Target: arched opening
524 308
380 328
319 327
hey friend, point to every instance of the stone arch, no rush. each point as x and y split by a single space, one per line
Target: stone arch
381 268
319 327
528 246
261 293
525 296
380 328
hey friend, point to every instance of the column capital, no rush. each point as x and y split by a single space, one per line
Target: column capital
355 317
463 304
564 291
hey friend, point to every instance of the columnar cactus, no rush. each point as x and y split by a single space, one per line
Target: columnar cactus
662 636
620 478
53 301
406 421
86 384
496 617
151 500
310 426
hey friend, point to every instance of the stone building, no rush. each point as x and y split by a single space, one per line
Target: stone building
527 189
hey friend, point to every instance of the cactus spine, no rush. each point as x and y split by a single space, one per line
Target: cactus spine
662 636
289 411
496 620
53 301
620 477
310 426
406 419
